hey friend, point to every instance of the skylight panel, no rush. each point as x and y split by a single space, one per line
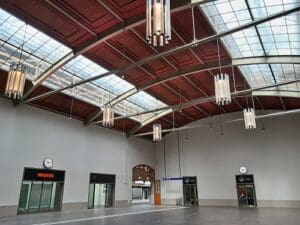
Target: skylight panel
257 75
280 36
244 43
146 101
39 50
286 72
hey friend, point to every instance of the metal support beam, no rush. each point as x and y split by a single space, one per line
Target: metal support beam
52 69
110 10
279 93
280 59
204 100
200 2
149 120
276 114
172 51
99 38
197 69
74 20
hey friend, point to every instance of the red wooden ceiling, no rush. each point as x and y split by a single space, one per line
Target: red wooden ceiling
75 22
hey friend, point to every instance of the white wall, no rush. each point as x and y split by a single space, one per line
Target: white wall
272 156
28 135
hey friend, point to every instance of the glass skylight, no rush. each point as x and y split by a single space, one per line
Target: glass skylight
278 37
40 52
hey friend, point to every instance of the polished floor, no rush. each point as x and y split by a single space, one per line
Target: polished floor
148 215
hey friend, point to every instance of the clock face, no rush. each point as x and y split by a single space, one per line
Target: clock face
243 170
48 163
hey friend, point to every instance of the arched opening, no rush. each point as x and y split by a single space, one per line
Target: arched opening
143 177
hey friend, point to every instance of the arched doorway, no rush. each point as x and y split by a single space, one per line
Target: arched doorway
143 177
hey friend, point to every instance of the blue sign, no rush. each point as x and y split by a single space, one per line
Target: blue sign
171 178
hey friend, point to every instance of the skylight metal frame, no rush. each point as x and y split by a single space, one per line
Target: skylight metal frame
72 71
251 11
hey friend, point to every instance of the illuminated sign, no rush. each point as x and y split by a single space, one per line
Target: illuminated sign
45 175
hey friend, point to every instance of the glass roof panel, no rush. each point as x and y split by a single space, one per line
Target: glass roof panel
40 52
257 75
277 37
148 101
85 68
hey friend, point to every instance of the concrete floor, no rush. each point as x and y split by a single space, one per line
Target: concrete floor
146 215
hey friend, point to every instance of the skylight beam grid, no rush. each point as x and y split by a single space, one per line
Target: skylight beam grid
162 112
109 33
264 50
143 69
209 66
202 100
155 57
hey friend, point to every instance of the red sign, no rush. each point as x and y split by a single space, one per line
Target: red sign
45 175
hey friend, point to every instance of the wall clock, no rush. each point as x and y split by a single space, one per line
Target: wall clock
243 170
48 163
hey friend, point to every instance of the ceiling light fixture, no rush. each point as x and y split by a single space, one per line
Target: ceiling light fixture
158 22
249 118
15 81
222 89
157 132
16 76
222 85
108 116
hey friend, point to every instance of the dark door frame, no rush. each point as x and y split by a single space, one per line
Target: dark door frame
194 184
250 182
113 188
62 190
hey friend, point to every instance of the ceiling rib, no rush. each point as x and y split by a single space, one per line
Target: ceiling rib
195 55
140 67
204 100
281 93
110 11
276 114
103 36
58 8
166 53
201 68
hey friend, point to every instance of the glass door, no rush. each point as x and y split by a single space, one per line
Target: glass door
251 199
246 195
35 196
190 195
100 195
40 196
109 195
46 196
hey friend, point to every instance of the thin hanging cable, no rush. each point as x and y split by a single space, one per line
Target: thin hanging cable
123 63
234 81
220 121
72 100
219 56
179 153
173 119
193 20
71 111
247 95
253 105
165 166
22 46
